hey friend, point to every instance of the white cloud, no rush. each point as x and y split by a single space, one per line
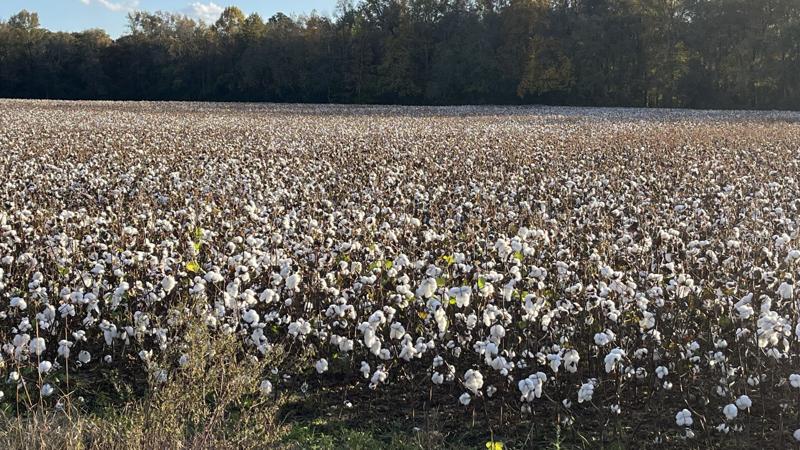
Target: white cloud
207 12
122 5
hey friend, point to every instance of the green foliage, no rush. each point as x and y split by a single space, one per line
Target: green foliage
676 53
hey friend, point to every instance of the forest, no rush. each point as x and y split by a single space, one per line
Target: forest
727 54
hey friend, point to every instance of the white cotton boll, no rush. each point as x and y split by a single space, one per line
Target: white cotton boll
321 365
84 356
293 282
168 283
250 316
730 411
364 369
661 372
13 377
684 418
462 295
465 399
64 348
37 346
19 303
571 358
45 367
744 402
497 331
794 380
613 358
796 435
396 331
473 380
213 277
786 290
437 378
585 392
266 387
601 339
268 296
378 377
554 361
427 288
441 320
531 387
47 390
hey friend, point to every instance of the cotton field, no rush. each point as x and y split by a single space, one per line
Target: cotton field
583 268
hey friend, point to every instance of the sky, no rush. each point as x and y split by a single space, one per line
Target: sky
78 15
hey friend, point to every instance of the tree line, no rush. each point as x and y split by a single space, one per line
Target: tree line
654 53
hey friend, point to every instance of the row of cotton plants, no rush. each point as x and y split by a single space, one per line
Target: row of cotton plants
634 266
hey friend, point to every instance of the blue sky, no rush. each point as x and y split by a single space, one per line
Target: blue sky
77 15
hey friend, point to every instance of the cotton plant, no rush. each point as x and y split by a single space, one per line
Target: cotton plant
634 270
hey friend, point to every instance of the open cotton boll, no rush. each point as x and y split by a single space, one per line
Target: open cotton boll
730 411
213 277
684 418
84 356
18 302
473 380
44 367
250 316
293 282
265 387
744 402
47 390
427 288
613 358
585 392
168 283
465 398
462 295
37 346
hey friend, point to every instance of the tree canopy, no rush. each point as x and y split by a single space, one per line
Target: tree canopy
655 53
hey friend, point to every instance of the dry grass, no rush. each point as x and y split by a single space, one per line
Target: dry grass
212 401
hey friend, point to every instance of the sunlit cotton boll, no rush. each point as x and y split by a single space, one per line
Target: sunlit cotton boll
684 418
465 399
37 346
293 282
168 283
18 302
613 357
45 367
794 380
473 380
